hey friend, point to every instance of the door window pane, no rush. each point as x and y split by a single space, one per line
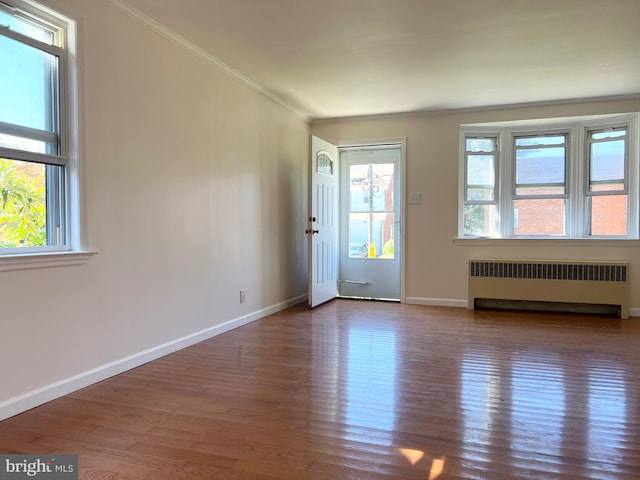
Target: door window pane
371 235
371 187
371 218
359 188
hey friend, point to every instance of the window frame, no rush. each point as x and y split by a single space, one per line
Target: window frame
61 189
590 194
576 173
70 91
465 153
509 228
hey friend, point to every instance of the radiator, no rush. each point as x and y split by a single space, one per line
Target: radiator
595 283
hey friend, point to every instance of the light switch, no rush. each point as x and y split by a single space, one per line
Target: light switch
415 198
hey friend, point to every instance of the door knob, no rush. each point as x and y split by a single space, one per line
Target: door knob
313 232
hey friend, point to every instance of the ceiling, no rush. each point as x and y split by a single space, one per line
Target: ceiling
337 58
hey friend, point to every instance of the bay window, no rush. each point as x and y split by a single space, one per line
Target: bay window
550 179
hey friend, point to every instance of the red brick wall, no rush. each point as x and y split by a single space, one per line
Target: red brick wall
546 216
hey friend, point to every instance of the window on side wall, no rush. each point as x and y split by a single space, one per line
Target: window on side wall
37 142
552 179
480 185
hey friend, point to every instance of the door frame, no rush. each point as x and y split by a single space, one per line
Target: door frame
402 142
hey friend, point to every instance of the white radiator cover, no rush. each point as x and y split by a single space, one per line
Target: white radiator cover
584 282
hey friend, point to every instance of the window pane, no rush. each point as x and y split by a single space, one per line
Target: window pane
481 144
609 215
359 189
27 144
607 161
538 190
543 140
371 235
480 194
607 187
479 220
540 166
27 89
26 28
544 216
22 204
609 134
382 177
481 170
371 187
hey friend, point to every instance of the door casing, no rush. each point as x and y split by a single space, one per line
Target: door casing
364 277
402 179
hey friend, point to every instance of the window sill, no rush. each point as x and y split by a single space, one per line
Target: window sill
551 242
30 261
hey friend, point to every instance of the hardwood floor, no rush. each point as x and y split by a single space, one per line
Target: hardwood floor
364 390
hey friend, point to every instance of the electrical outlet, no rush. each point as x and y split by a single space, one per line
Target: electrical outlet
242 296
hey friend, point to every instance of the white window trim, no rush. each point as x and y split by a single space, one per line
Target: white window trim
478 131
74 252
577 126
26 261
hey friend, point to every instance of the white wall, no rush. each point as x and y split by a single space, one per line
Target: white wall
436 269
194 187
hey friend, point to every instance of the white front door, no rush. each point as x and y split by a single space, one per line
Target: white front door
323 226
370 225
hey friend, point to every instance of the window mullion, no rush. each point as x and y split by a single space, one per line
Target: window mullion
506 184
28 133
33 157
576 184
633 180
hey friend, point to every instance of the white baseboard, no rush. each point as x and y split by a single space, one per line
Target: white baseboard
634 312
41 395
436 302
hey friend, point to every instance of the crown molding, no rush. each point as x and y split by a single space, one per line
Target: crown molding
479 109
170 35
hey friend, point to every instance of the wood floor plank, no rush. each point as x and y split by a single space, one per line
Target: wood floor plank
364 390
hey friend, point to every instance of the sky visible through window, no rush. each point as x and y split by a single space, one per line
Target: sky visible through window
24 85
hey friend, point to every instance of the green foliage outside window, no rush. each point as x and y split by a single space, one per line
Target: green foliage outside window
22 204
387 249
474 221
